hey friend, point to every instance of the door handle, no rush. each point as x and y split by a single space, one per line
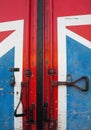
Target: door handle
20 101
27 74
73 83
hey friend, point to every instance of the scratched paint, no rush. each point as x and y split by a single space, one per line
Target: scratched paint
7 92
78 102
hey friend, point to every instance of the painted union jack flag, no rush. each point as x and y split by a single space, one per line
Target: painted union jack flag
74 58
11 47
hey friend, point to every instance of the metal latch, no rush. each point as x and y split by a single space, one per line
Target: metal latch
74 83
14 69
12 78
12 81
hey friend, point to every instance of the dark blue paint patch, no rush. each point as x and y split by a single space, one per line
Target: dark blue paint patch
7 92
78 102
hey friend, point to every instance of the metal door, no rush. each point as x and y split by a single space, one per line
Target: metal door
11 44
74 66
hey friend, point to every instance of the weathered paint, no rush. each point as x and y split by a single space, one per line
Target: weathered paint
55 52
74 53
11 59
24 41
50 62
7 91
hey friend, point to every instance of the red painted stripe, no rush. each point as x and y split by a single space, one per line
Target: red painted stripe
82 30
5 34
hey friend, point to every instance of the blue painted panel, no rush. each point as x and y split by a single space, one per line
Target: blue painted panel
6 92
78 102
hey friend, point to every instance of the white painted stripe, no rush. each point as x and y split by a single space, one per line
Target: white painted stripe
62 22
78 38
18 75
61 76
76 20
14 40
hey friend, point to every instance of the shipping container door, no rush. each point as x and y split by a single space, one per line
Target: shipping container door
10 71
67 51
74 68
18 20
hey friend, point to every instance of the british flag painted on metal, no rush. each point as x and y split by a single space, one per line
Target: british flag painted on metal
18 37
74 59
11 52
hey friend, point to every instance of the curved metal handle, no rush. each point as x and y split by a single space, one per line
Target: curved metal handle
20 101
86 83
27 73
19 115
73 83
